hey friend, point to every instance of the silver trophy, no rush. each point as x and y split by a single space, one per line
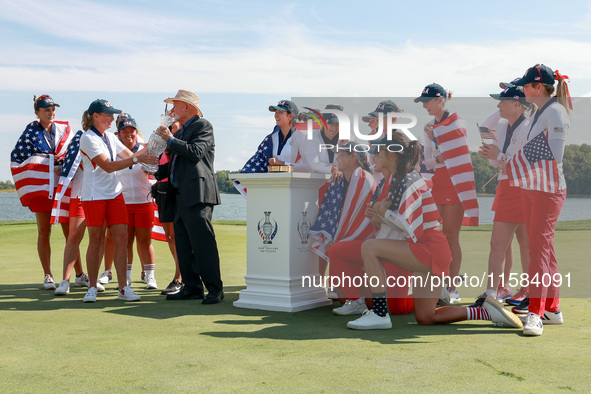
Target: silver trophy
156 144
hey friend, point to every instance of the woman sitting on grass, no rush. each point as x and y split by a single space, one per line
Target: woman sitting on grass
411 210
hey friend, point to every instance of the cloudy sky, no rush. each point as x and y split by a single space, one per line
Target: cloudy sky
241 56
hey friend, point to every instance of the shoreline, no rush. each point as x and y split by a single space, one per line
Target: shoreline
568 225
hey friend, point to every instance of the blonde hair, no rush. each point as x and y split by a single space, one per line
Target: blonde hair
561 92
528 107
87 121
562 95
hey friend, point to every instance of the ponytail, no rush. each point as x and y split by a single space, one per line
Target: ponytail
408 158
87 121
563 96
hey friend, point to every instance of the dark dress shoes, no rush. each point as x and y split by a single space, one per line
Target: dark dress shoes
185 295
213 298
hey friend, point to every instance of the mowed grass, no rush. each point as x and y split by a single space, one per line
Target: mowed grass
58 344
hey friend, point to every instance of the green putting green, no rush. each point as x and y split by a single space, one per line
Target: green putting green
59 344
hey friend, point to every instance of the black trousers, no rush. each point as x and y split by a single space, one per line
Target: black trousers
196 247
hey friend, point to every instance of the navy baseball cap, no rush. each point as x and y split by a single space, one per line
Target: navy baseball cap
285 105
382 142
510 94
505 85
385 107
44 101
349 146
122 116
331 118
537 73
127 121
102 106
368 117
430 92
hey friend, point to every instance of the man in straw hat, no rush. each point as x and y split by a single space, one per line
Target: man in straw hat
192 179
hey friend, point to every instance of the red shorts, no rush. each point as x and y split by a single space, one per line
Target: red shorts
444 192
41 204
76 210
98 212
432 250
140 215
507 203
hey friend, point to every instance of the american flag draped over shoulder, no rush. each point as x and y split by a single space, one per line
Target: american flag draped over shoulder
32 162
259 162
413 204
534 167
450 135
341 216
61 203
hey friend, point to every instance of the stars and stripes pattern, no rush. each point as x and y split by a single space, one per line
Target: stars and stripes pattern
488 134
381 190
32 161
450 135
72 159
259 162
534 166
413 205
341 216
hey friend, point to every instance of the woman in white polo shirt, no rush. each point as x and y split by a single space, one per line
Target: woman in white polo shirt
102 197
537 169
140 209
509 219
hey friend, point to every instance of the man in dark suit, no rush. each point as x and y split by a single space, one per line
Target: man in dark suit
191 175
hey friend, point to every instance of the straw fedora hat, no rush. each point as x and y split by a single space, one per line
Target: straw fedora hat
187 97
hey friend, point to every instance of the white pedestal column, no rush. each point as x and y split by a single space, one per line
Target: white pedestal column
281 207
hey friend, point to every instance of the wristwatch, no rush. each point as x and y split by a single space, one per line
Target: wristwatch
135 159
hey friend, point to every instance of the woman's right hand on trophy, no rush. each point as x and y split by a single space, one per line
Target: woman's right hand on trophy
144 157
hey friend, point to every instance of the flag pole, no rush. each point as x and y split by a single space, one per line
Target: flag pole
490 180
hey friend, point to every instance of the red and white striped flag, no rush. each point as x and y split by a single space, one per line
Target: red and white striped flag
451 139
414 206
157 229
32 162
72 161
534 167
488 134
342 217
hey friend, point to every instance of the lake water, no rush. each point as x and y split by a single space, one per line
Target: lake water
233 207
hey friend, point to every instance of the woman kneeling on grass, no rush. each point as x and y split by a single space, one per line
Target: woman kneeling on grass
411 210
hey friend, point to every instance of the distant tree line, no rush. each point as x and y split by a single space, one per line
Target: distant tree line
576 167
8 185
224 183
